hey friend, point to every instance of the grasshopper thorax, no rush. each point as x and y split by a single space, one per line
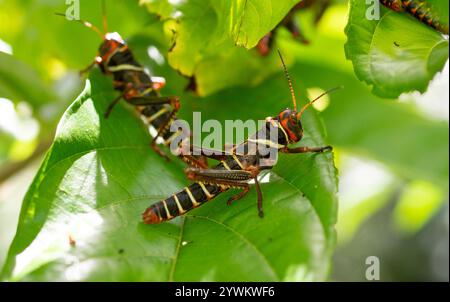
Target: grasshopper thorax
112 42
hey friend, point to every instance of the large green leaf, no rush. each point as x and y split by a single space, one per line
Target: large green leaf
394 54
100 175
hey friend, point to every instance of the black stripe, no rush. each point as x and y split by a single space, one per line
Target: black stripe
185 201
172 206
158 212
123 57
159 206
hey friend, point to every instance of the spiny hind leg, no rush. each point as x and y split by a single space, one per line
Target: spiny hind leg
195 161
203 152
210 176
197 174
230 178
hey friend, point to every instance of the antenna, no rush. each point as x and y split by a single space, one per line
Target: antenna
294 101
317 98
105 21
85 23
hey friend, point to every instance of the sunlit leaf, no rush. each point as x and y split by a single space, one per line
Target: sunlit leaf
205 34
252 19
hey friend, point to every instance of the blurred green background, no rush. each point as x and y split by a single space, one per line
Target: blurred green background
392 155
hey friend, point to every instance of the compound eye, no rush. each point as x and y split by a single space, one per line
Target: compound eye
293 117
105 48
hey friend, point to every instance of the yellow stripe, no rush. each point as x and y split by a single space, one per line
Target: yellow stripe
205 190
282 129
180 208
147 91
167 210
157 114
189 193
176 134
223 187
238 162
267 143
112 55
225 165
125 67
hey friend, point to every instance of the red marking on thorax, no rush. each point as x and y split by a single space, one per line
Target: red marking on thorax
113 47
284 120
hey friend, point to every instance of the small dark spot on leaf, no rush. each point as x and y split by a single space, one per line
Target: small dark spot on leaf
270 239
396 44
192 85
172 46
121 251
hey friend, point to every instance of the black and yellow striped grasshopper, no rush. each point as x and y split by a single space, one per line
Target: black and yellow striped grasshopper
239 165
136 86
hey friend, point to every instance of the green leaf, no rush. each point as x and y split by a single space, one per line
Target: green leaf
163 8
395 54
252 19
20 82
100 175
205 34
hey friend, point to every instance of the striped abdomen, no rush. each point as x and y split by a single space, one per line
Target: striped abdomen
191 197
